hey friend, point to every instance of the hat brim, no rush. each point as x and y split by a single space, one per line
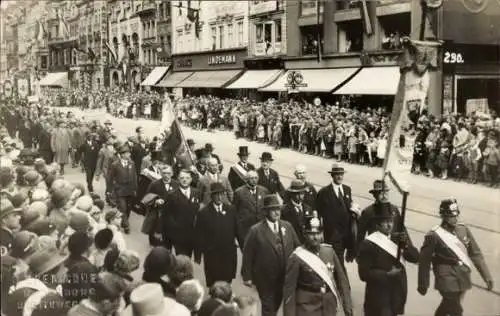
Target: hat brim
217 191
272 206
15 210
296 190
379 190
266 159
244 154
337 172
54 261
313 231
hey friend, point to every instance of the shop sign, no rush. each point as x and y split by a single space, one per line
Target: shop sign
222 59
184 63
258 7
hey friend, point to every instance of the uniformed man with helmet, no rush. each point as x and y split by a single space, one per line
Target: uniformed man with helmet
315 281
453 252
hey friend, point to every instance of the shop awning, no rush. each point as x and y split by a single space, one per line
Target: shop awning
209 79
55 79
254 79
317 80
173 79
154 76
374 81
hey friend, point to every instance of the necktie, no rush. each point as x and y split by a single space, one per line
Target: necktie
276 229
266 173
340 194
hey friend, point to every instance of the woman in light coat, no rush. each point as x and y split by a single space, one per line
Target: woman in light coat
60 143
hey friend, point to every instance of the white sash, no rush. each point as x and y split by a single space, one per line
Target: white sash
240 170
384 243
455 244
320 268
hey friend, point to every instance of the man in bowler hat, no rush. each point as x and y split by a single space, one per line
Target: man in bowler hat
295 211
268 245
268 177
237 172
315 282
453 252
216 237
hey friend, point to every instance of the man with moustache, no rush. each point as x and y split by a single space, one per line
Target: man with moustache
152 221
179 214
249 204
268 245
216 237
315 282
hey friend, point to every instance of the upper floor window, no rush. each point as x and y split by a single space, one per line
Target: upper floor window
350 36
230 35
308 7
240 34
278 30
214 37
160 11
221 36
309 40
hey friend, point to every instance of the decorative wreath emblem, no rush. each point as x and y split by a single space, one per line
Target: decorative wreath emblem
475 6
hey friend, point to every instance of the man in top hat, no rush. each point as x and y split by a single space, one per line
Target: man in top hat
124 178
210 150
268 177
268 245
10 220
315 282
295 211
453 252
216 237
238 172
334 203
367 220
381 269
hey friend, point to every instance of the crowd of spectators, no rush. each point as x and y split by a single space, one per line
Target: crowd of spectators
62 248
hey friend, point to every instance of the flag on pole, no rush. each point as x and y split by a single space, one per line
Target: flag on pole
111 51
41 31
319 29
365 18
410 98
63 26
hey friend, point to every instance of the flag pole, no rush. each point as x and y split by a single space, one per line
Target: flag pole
183 138
318 28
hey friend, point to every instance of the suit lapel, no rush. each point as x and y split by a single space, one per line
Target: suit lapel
270 236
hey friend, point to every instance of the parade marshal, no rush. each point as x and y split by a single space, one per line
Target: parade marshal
315 281
238 172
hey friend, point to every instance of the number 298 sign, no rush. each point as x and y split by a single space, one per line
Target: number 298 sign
453 58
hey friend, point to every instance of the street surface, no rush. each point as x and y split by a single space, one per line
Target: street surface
480 210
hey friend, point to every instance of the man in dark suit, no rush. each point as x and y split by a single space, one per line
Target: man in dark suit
124 177
10 220
138 150
268 177
267 247
453 252
295 211
310 192
162 188
386 293
238 172
216 237
179 215
213 175
249 203
90 153
334 206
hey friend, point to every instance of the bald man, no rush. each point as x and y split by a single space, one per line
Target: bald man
310 192
249 202
213 175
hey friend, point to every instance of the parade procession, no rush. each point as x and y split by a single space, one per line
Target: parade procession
250 158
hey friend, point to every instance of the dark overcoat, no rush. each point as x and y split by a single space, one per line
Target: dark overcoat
290 214
271 183
216 237
124 179
249 209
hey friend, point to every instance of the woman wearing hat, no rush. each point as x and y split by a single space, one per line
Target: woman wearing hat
315 282
453 252
380 268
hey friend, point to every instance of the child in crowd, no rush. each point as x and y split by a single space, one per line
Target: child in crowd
103 242
113 219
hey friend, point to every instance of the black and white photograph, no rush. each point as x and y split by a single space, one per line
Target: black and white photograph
250 158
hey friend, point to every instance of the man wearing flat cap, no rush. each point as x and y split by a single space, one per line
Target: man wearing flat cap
216 237
315 282
268 177
124 182
295 211
367 221
238 172
267 246
334 203
386 293
453 253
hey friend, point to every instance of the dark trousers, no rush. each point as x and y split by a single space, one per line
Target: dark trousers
451 304
124 205
387 311
270 300
183 249
89 173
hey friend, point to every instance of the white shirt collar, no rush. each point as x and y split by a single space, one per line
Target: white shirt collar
272 225
337 187
186 191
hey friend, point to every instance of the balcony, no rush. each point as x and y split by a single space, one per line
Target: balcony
146 8
271 49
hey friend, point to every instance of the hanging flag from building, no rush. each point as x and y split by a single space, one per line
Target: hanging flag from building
365 17
410 97
40 32
63 26
112 52
319 30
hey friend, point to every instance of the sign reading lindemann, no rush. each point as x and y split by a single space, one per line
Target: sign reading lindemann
222 59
